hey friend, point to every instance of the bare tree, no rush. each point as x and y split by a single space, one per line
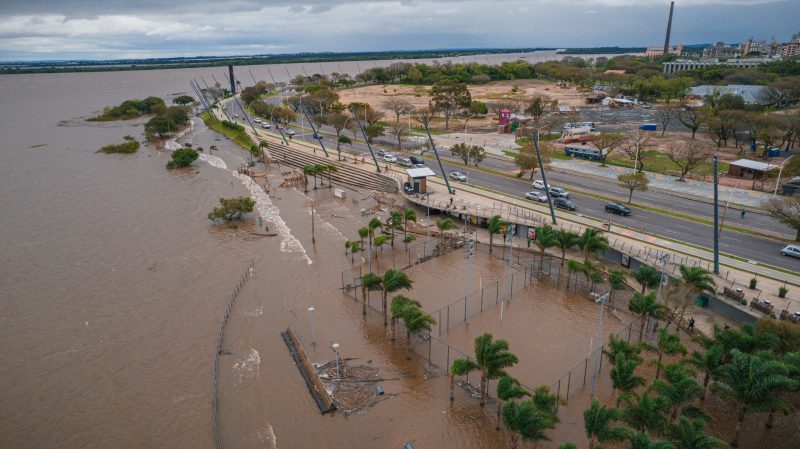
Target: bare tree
687 157
691 118
399 133
398 106
665 116
787 211
634 145
607 143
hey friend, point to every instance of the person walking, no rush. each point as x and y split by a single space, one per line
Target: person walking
691 326
742 214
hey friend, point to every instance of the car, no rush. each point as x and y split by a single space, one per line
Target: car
564 203
558 192
791 250
266 125
258 120
389 157
417 161
290 132
380 153
458 176
536 196
617 208
318 136
236 115
405 162
538 185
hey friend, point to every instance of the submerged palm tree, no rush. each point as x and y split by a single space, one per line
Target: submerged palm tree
398 307
508 388
408 215
598 422
394 222
445 224
369 282
492 358
494 226
566 240
355 247
460 367
393 280
646 307
416 321
524 420
545 238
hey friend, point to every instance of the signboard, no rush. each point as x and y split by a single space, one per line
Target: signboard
532 233
511 230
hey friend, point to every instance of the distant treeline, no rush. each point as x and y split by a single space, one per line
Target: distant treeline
179 63
603 50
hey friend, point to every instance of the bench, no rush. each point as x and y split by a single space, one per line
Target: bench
735 295
762 306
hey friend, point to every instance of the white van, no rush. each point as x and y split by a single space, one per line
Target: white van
405 162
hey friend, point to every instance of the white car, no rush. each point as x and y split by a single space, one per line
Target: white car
389 157
538 185
266 125
791 250
458 176
290 132
258 120
536 196
236 115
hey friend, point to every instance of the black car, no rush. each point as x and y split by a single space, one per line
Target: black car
564 203
380 153
618 209
417 161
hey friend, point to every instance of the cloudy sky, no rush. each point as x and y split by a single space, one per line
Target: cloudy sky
110 29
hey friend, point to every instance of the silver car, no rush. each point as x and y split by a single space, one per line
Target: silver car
458 176
536 196
791 250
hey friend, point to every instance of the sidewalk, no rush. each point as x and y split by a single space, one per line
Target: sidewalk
666 182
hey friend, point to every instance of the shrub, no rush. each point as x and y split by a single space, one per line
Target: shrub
230 208
124 148
182 157
782 292
753 283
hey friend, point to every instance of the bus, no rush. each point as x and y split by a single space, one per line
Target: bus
576 125
583 152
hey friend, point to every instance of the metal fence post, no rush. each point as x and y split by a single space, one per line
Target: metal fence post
448 316
497 293
481 300
569 381
448 359
440 324
430 343
585 367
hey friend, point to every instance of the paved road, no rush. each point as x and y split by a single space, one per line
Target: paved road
741 245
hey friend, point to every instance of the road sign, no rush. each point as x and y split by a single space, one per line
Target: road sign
511 229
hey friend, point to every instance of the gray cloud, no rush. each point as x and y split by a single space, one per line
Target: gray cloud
37 29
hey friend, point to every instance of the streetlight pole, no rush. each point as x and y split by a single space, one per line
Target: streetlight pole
335 348
313 333
535 138
780 172
313 239
599 337
469 248
716 213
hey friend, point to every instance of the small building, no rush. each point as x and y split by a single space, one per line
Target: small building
749 169
417 179
751 94
504 116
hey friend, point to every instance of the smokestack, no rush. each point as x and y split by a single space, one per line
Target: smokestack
669 28
233 83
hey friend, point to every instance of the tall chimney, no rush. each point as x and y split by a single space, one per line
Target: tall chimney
669 28
233 83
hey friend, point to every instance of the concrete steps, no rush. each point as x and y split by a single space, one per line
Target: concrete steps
345 174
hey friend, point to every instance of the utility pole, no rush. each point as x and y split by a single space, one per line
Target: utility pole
716 213
436 153
597 354
469 249
313 239
535 138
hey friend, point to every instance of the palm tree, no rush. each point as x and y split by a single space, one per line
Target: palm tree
492 358
524 420
445 224
330 168
645 306
355 247
408 215
394 221
373 224
679 389
645 412
752 382
309 170
545 238
393 280
598 421
347 244
574 267
592 242
708 361
508 388
688 434
416 320
668 344
379 242
399 304
640 440
697 280
369 282
618 347
647 276
319 169
546 402
362 234
616 280
623 376
460 367
566 240
494 226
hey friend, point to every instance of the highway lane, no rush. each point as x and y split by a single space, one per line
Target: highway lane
741 245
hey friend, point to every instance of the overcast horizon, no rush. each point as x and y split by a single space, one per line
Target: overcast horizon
113 29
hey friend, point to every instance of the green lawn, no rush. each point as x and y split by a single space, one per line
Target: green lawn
658 162
240 137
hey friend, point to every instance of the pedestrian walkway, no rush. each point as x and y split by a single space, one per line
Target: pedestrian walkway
666 182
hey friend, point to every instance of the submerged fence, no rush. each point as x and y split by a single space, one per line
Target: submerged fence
218 350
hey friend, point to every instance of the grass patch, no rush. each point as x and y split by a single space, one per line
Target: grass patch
434 132
658 162
237 133
128 147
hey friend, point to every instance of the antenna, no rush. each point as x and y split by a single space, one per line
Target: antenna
669 28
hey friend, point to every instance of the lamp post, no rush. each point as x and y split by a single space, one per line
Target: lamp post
335 348
313 337
780 172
